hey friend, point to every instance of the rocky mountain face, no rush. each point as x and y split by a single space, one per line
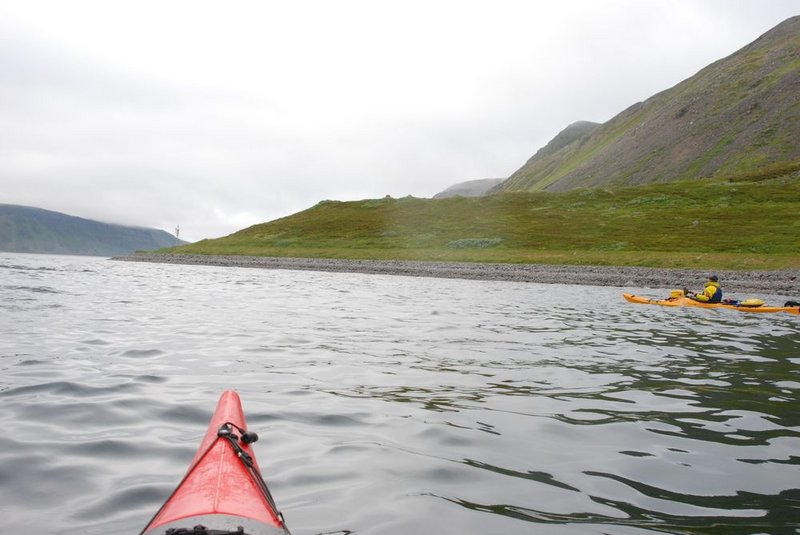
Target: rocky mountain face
737 116
24 229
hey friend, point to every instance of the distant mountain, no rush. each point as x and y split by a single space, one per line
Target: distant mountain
738 116
471 188
24 229
574 132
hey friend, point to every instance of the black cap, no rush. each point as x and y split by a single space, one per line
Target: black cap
713 278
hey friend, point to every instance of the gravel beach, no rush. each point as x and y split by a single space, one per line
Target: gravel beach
783 282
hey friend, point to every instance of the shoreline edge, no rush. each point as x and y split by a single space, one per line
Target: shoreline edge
781 282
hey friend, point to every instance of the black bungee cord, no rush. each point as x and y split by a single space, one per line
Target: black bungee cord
248 437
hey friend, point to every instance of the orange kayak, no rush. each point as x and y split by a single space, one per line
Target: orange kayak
223 490
683 301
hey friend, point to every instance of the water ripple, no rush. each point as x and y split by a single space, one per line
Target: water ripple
393 404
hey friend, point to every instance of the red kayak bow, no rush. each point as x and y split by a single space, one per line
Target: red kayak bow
223 491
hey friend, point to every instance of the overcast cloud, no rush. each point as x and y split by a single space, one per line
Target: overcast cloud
218 115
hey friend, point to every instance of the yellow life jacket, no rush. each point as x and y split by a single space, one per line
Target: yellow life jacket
712 293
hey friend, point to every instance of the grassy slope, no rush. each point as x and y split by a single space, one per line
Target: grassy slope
745 224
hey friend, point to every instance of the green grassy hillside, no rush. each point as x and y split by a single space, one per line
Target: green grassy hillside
747 223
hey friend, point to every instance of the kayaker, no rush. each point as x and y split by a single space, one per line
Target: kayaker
712 293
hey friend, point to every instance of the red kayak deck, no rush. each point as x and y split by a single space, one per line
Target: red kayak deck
686 302
220 491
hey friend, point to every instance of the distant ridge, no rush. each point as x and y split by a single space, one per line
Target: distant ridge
470 188
573 132
740 115
24 229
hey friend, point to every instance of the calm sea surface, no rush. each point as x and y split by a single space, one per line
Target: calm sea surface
391 405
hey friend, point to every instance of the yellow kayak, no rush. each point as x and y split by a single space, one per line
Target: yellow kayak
683 301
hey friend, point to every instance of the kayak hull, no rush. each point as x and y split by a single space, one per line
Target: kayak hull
686 302
220 491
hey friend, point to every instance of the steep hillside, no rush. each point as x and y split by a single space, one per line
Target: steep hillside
737 116
32 230
471 188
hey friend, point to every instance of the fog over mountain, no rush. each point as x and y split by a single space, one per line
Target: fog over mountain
24 229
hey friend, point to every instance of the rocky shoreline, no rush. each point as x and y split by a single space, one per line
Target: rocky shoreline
782 282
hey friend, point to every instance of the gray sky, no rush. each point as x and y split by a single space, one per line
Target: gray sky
218 115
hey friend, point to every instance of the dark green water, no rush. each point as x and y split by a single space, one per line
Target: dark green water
393 404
